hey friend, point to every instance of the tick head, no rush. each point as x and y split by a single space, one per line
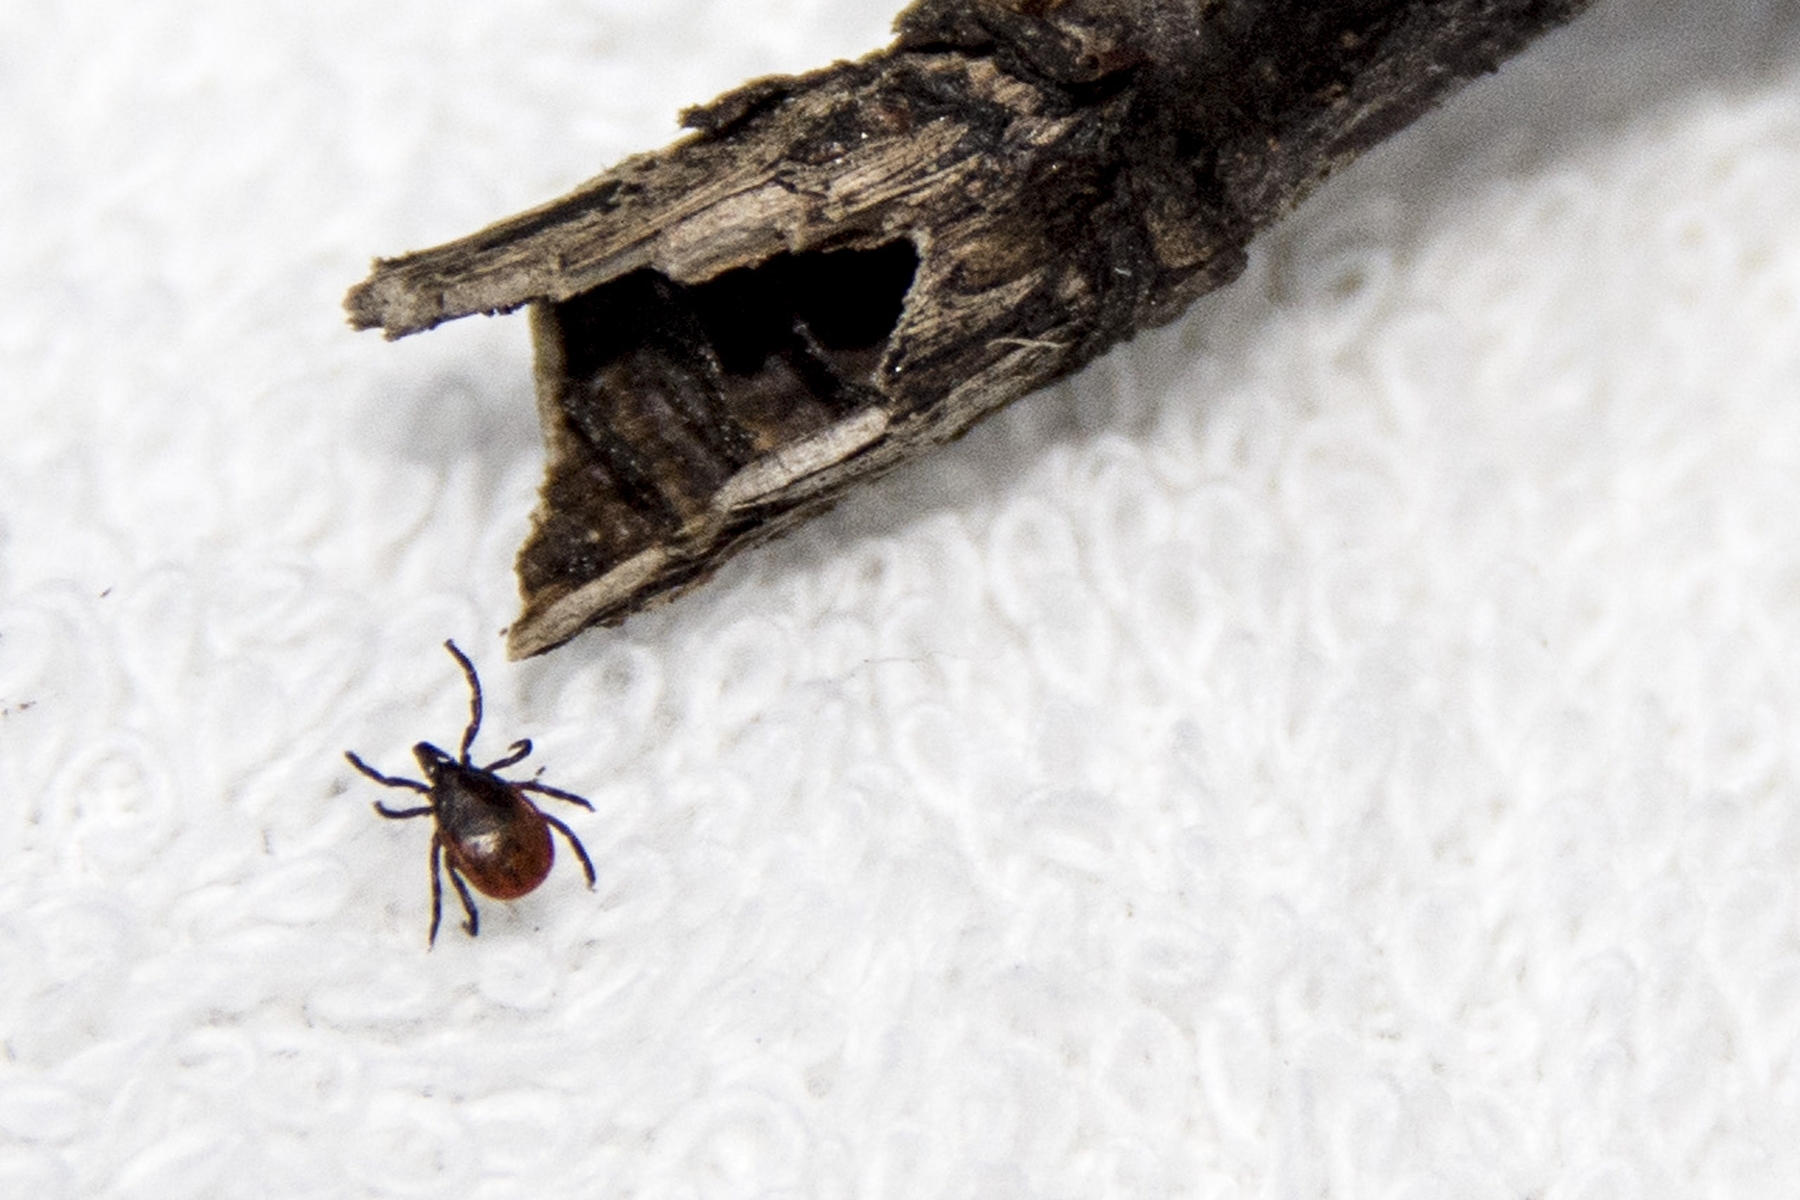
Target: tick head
432 761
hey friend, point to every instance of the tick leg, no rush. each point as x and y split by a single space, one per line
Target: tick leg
400 814
474 702
385 780
544 789
521 750
437 891
587 864
473 924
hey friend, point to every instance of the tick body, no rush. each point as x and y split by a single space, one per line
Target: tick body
489 832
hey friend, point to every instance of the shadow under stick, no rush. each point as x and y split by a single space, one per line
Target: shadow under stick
837 270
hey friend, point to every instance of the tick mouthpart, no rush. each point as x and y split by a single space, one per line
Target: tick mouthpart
431 759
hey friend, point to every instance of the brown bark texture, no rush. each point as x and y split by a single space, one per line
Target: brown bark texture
840 269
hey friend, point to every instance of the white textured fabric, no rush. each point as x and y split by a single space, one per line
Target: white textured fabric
1341 745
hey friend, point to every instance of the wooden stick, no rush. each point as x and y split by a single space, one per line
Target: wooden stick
838 270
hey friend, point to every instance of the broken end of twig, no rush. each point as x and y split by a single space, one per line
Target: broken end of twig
387 300
548 623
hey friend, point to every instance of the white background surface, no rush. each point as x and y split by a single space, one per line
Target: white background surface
1341 745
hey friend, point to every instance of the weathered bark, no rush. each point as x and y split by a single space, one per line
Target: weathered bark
842 268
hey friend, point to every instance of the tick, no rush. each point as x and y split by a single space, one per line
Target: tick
488 829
